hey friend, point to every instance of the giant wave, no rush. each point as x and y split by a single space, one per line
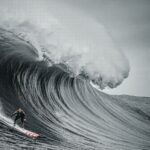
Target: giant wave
46 71
66 110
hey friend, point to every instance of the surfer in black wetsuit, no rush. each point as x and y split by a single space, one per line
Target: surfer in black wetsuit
20 114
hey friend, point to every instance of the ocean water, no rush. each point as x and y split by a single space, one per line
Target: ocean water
66 110
47 61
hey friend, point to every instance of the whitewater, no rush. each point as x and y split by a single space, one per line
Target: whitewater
50 53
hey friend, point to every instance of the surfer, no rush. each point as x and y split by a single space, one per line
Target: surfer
20 114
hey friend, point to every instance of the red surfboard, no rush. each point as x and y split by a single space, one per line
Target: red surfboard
31 134
28 133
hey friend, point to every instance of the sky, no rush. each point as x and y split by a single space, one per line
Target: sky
128 23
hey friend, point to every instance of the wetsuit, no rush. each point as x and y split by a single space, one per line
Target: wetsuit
19 115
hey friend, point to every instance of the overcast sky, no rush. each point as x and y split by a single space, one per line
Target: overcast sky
128 22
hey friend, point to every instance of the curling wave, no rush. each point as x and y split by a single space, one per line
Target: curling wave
47 58
61 37
66 110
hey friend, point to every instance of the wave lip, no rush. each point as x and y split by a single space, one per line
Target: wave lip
64 39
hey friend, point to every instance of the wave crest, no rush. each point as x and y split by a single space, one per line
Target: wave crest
65 39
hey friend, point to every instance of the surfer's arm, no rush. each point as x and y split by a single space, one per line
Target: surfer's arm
24 113
14 113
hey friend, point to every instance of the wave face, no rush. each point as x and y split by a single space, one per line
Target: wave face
67 111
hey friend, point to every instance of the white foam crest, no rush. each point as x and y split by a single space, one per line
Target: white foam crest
67 35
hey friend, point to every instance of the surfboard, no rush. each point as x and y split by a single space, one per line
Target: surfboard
31 134
26 132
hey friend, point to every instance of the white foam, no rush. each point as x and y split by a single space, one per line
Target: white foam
67 35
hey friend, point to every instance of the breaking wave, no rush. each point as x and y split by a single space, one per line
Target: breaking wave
45 68
79 42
